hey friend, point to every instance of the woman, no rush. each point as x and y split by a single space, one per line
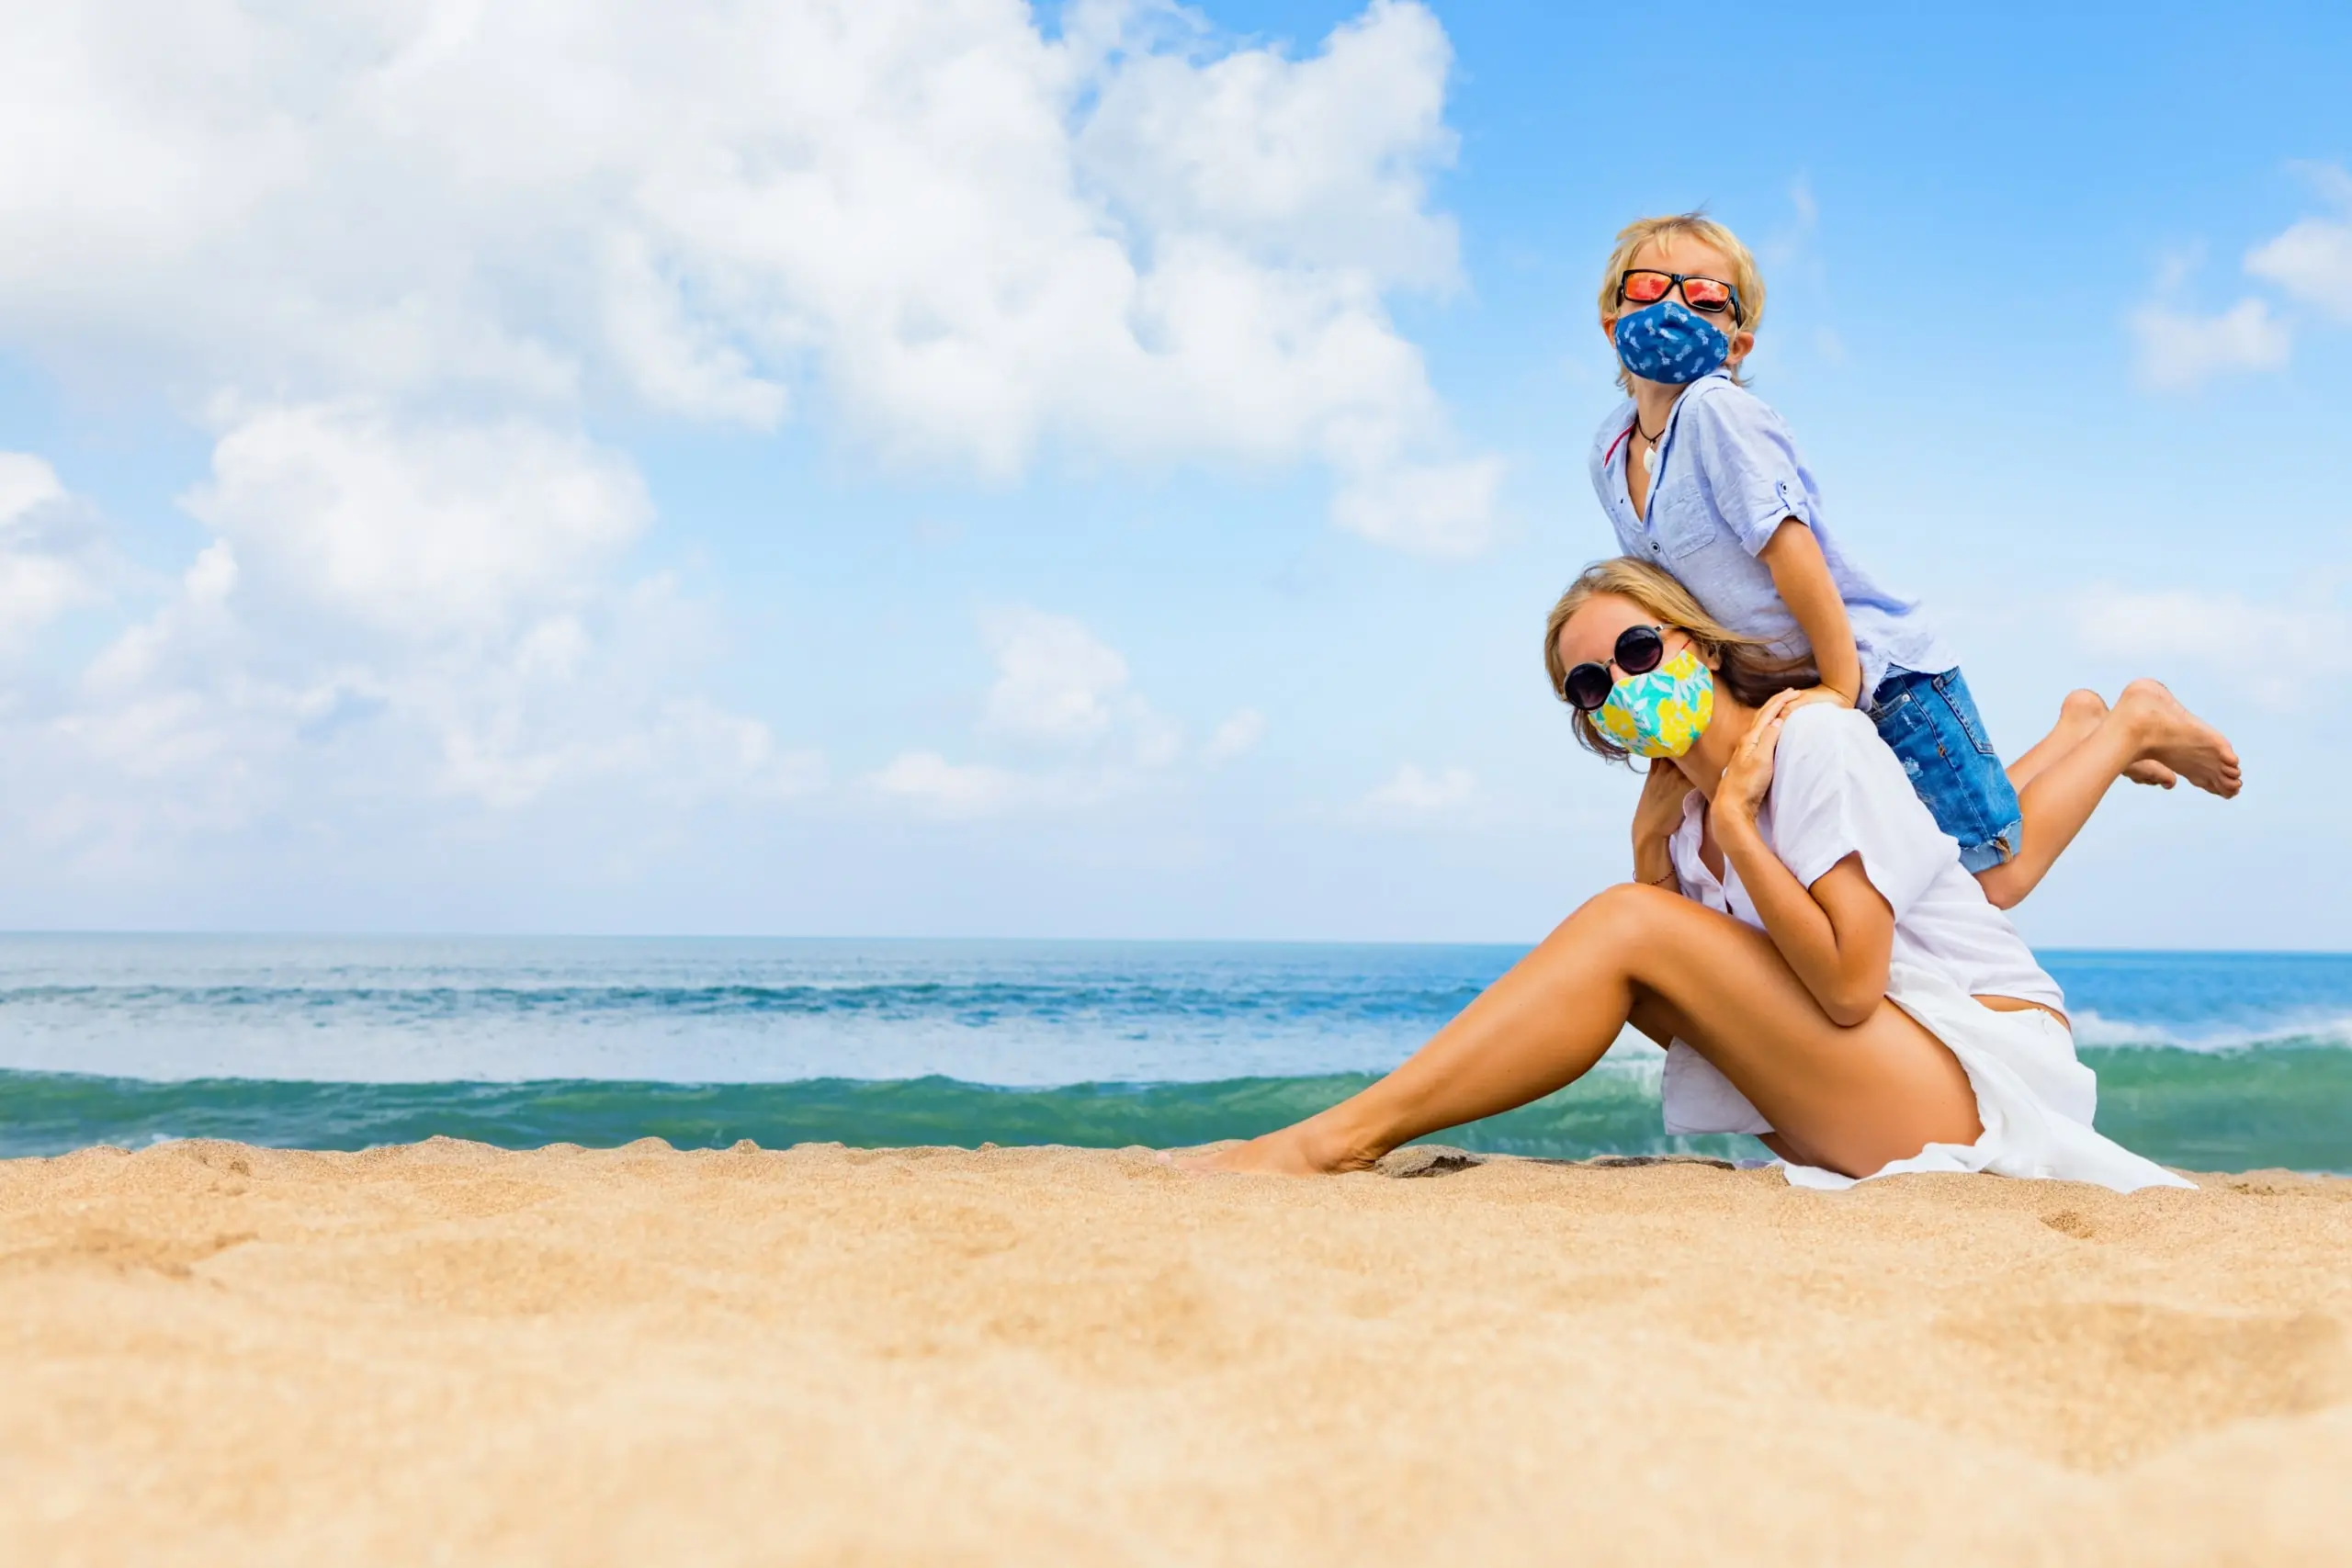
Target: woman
1829 978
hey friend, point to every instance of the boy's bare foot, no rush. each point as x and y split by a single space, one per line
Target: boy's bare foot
2083 711
2175 739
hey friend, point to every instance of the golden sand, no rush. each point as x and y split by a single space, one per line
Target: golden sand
216 1354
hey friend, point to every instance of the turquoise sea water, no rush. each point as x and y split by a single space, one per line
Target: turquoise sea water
2213 1061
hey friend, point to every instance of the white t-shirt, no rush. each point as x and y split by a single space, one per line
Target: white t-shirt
1837 790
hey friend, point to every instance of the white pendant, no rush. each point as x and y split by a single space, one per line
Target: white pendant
1649 461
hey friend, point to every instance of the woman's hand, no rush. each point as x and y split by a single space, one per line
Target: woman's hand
1655 817
1660 811
1749 775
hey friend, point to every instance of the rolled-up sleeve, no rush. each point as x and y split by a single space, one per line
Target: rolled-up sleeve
1836 791
1749 464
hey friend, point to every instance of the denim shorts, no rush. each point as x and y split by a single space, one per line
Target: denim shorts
1931 724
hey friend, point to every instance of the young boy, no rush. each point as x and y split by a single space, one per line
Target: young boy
1699 475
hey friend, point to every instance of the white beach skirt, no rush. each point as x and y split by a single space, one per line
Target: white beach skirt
2034 1095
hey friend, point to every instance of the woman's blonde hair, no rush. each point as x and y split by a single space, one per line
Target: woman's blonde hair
1746 667
1697 226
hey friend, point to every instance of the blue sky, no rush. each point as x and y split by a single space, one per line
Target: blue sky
952 469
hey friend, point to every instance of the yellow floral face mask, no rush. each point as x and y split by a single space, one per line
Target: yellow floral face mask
1661 714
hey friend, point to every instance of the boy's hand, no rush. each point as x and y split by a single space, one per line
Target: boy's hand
1749 778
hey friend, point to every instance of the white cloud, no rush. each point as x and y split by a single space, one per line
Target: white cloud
1059 687
2275 649
390 619
683 753
2178 350
1413 791
677 362
1236 735
2313 261
1321 162
185 632
26 483
47 553
396 260
964 241
2177 622
1056 680
1441 510
1059 684
417 528
1154 741
35 589
942 788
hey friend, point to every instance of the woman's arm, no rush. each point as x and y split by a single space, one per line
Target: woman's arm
1801 573
1837 934
1655 817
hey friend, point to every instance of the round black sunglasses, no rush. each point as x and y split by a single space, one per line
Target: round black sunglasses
1640 650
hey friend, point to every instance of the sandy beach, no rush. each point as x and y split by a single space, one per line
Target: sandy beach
445 1352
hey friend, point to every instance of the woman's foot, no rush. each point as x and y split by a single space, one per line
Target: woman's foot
2148 771
1302 1149
2175 739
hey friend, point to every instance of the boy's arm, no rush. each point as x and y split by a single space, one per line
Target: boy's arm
1801 573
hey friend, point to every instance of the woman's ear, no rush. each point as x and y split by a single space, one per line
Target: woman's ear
1741 341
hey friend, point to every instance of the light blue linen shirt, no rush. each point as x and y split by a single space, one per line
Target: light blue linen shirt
1727 476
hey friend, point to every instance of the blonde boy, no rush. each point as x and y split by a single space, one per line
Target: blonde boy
1701 476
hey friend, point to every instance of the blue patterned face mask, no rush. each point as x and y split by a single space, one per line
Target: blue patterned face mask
1669 341
1661 714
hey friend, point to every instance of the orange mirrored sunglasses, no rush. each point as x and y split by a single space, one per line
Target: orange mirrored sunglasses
1640 286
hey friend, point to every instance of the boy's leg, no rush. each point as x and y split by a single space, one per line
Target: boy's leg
1853 1099
2077 716
2147 722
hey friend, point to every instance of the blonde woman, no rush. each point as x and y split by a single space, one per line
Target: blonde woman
1799 933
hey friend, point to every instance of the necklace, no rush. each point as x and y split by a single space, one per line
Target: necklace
1649 453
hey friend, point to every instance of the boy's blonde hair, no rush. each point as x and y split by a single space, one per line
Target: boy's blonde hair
1697 226
1750 668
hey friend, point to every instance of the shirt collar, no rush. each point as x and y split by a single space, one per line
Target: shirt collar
1621 449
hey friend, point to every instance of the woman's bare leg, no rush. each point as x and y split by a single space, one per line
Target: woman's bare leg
2147 722
1854 1099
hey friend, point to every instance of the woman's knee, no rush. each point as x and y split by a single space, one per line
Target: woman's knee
1627 912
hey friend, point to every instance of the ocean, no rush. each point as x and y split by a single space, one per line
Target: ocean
2211 1061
